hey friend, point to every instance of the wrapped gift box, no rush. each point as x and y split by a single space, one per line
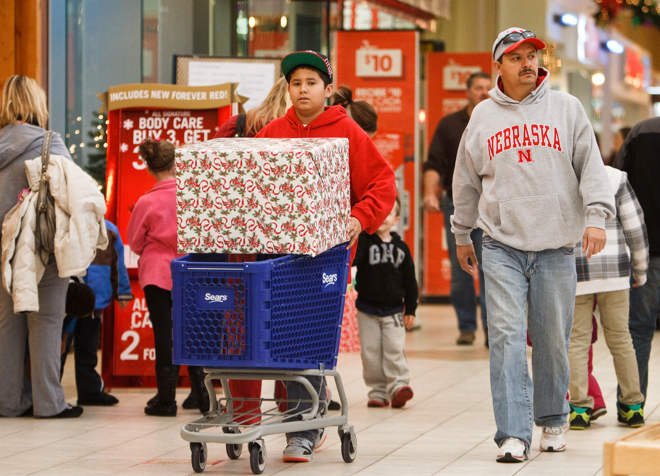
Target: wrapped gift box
263 196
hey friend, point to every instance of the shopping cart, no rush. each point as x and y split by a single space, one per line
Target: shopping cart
277 318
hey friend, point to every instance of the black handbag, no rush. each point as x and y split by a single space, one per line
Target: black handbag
44 232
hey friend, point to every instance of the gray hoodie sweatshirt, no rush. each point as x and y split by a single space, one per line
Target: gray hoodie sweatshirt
529 173
18 143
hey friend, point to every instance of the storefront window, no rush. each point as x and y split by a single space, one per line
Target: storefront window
358 16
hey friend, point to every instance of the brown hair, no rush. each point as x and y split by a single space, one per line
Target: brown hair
158 154
342 96
361 112
364 115
397 204
272 107
23 100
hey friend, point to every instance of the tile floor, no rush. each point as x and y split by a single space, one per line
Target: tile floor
446 429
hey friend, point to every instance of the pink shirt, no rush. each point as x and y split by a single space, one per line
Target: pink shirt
152 234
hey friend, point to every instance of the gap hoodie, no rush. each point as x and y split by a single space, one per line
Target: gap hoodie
529 173
18 143
373 188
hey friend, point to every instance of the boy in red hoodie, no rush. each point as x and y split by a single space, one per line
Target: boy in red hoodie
373 188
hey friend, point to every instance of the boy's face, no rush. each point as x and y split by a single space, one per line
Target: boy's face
307 92
391 220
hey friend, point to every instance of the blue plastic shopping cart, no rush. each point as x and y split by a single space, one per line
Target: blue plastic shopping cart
275 318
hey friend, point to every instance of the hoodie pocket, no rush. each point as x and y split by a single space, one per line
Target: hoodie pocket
534 220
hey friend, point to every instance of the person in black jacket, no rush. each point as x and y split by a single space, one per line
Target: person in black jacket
386 304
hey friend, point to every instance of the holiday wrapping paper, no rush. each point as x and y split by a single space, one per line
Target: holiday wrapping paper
263 195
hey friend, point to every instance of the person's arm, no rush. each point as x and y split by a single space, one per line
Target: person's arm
411 289
361 250
466 192
138 227
433 169
590 171
631 217
373 187
124 291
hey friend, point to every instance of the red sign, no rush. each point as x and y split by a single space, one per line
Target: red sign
390 144
446 82
128 341
381 67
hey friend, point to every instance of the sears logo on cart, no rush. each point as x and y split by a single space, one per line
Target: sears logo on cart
330 280
215 298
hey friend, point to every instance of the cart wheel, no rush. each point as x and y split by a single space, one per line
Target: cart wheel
257 458
348 447
198 458
234 451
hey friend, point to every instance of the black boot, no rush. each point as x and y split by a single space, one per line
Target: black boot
198 389
190 403
166 379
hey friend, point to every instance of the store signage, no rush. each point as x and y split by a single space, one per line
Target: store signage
372 62
446 82
169 96
455 76
634 69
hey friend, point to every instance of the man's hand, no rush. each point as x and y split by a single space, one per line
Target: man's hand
354 230
409 321
593 241
431 203
465 252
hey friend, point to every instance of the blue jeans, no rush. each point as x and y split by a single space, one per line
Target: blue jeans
463 296
644 308
532 290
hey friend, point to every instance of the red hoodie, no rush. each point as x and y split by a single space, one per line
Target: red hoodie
373 188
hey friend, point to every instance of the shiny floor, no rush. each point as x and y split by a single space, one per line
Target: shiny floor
446 429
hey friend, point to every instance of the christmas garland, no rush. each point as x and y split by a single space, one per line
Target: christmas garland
643 12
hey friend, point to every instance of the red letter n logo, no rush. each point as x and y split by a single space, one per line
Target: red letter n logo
526 155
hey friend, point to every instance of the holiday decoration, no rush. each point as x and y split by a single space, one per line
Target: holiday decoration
643 12
98 148
263 196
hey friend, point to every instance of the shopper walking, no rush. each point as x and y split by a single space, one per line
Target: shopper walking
152 235
35 314
386 304
606 279
529 174
440 167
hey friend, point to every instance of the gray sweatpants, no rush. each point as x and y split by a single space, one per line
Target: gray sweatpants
45 335
384 366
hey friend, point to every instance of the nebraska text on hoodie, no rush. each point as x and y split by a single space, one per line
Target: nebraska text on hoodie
529 173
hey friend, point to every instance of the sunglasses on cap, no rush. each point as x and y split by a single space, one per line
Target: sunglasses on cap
515 37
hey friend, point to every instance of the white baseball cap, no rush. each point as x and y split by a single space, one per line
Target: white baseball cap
510 39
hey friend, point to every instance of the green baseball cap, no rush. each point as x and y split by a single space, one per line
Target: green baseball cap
307 58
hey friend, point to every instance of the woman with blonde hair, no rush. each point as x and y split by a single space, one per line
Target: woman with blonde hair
248 125
23 119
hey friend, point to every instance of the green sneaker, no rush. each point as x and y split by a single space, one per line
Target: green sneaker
579 418
632 415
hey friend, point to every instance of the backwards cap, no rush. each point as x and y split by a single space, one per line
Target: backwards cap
499 48
306 58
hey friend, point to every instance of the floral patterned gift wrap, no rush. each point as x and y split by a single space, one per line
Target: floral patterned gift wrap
263 195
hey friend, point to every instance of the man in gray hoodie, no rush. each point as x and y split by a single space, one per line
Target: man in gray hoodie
530 175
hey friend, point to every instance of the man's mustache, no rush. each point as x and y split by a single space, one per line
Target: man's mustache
525 71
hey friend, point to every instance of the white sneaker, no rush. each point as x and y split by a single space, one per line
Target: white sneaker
553 439
299 450
512 450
